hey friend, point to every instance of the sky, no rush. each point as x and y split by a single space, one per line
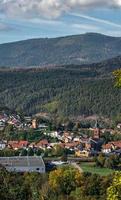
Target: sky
25 19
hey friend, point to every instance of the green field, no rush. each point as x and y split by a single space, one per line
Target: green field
89 167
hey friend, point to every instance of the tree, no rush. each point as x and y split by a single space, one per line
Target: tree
100 160
57 150
8 129
113 161
39 152
64 180
117 75
114 191
34 181
23 152
30 152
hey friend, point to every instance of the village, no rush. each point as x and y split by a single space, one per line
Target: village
55 143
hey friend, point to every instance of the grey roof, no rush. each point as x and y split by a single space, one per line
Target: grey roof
22 161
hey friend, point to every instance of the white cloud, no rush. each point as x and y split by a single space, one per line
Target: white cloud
32 8
97 20
44 21
50 8
94 3
85 27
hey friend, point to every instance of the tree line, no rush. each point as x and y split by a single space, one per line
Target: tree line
65 183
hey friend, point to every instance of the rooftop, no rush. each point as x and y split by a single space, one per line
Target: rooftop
22 161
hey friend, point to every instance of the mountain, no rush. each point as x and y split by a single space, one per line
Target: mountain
77 49
107 66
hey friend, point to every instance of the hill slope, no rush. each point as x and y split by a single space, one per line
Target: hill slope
69 90
78 49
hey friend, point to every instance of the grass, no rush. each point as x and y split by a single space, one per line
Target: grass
89 167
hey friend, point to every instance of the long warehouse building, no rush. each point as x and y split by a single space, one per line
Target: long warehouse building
23 164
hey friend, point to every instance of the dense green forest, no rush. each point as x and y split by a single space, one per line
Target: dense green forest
66 91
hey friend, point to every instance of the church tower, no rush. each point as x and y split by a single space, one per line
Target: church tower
96 131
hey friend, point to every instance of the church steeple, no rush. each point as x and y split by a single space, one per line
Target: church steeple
96 130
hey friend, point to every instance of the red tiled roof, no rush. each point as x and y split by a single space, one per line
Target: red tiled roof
73 144
24 143
13 142
18 144
109 145
42 143
62 145
116 143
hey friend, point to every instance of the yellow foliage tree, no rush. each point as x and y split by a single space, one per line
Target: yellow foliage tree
117 75
114 191
64 179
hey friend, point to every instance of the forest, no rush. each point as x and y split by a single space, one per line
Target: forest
64 91
65 183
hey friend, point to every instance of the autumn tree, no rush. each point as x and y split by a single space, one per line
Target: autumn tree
117 75
100 160
64 180
114 191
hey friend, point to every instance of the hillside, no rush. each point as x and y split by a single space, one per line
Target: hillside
68 90
78 49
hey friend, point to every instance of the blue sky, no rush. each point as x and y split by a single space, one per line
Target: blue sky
24 19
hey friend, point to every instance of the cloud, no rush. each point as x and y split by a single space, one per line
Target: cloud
94 3
97 20
84 27
33 8
50 8
44 21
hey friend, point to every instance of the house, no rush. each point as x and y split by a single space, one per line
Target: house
23 144
76 139
111 146
42 144
71 145
86 143
2 125
23 164
28 118
42 126
2 145
82 153
18 144
13 145
53 134
32 145
106 148
67 139
91 143
34 124
119 126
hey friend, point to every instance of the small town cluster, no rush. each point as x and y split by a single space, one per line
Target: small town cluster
78 145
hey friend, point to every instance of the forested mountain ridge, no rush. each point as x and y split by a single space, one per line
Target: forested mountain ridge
67 90
77 49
